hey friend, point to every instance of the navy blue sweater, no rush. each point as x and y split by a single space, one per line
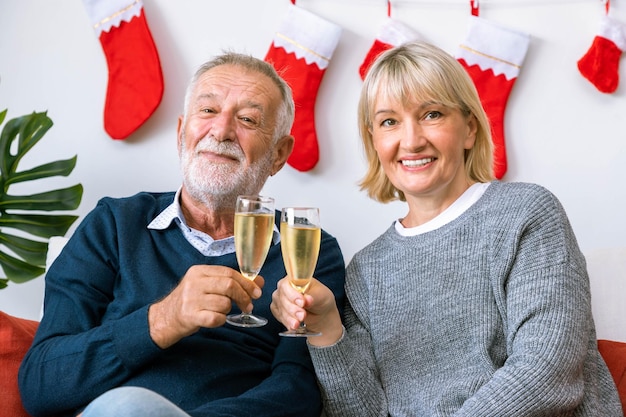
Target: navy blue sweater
94 334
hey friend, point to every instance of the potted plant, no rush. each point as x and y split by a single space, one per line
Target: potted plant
25 225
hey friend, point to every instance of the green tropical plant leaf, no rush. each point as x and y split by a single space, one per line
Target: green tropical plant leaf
28 130
61 199
32 251
23 255
17 270
38 224
52 169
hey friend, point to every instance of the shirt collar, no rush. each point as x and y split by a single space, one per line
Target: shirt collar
169 214
174 213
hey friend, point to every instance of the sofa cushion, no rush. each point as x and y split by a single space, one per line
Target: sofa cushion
614 354
16 336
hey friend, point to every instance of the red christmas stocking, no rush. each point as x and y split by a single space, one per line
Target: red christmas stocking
300 51
135 84
392 33
493 56
600 64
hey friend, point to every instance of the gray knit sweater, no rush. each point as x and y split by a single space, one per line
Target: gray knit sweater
488 315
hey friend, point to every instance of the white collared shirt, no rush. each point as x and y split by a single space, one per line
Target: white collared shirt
204 243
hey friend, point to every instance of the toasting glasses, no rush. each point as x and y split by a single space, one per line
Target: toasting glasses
254 225
300 236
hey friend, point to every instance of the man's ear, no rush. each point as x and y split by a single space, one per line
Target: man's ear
282 150
179 134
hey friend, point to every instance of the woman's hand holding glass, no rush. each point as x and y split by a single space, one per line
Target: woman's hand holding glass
300 236
317 307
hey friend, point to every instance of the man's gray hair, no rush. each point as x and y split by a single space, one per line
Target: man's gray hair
285 113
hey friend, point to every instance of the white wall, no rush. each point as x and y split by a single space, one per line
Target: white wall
560 131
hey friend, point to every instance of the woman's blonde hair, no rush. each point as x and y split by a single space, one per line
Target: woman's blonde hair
421 70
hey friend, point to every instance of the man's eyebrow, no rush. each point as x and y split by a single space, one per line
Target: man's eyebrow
254 105
205 96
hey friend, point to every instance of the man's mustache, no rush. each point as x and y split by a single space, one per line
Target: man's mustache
226 148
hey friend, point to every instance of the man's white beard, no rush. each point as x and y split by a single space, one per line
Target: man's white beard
217 185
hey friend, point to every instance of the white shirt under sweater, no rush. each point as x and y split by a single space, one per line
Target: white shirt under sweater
203 242
487 315
465 201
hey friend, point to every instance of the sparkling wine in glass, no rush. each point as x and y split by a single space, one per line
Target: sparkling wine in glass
254 226
300 236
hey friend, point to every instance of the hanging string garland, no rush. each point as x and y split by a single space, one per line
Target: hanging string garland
507 3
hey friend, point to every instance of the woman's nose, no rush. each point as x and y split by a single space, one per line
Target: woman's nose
413 136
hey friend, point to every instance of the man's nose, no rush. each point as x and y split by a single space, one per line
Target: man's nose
223 127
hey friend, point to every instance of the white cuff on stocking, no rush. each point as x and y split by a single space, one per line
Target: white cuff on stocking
395 33
491 46
308 36
105 14
613 30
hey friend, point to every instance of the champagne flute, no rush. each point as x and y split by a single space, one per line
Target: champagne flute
254 226
300 236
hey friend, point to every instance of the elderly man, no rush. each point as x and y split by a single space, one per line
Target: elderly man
136 303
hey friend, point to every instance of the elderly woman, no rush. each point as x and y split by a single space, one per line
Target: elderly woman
477 302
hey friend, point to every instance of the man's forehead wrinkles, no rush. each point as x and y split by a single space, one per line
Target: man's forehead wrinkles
246 103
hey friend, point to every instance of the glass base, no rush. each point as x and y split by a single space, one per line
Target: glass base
301 331
246 320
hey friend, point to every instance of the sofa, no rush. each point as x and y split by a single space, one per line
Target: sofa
16 336
607 271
